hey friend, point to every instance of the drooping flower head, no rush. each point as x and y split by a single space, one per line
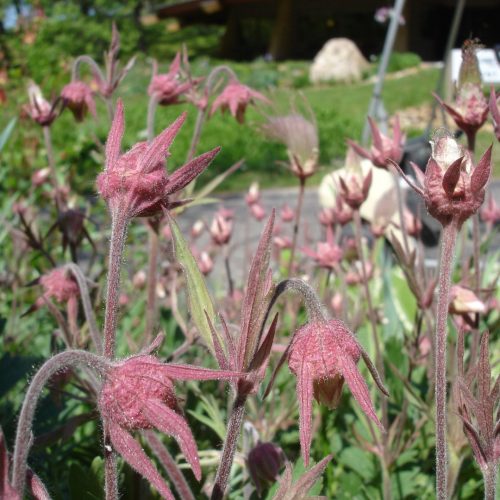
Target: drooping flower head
60 285
138 394
136 183
383 147
221 229
323 355
236 97
287 213
490 212
167 87
264 462
77 96
38 108
328 254
453 187
353 186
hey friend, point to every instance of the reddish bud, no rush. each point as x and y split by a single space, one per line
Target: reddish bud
77 96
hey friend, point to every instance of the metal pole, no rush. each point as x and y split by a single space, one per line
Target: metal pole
376 109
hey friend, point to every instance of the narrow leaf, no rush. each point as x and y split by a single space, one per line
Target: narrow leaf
199 299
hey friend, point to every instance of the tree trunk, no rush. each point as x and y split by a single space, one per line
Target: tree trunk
281 43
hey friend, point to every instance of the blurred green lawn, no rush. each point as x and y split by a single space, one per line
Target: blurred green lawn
340 112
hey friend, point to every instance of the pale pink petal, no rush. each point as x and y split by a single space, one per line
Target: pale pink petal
173 424
134 455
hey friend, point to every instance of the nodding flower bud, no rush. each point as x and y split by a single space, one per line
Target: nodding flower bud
383 147
495 112
253 195
77 96
205 263
60 284
38 108
136 183
490 213
353 186
167 88
236 97
257 210
197 228
323 355
40 176
342 212
221 229
287 214
138 393
328 253
264 463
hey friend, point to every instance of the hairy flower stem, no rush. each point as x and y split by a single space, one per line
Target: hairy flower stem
170 465
229 448
47 137
110 468
66 359
386 480
300 202
195 139
229 275
153 242
449 238
117 243
490 481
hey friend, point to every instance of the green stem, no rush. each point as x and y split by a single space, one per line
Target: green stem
300 202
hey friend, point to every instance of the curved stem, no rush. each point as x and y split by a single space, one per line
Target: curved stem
216 72
229 449
200 120
300 202
87 306
118 234
22 445
449 238
85 59
47 137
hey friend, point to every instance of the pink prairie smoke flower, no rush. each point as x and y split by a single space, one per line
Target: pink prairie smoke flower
342 212
495 112
282 242
287 214
138 394
328 254
453 187
323 355
471 106
253 195
490 212
264 463
383 147
197 229
355 275
464 301
300 136
353 186
236 97
205 263
41 176
60 284
326 216
166 88
136 183
38 108
77 96
221 229
257 210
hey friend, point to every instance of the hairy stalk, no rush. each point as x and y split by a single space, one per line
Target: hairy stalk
386 480
227 265
23 441
110 468
195 139
85 59
170 465
47 137
490 482
476 241
87 306
300 201
448 243
118 233
153 242
151 285
229 448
